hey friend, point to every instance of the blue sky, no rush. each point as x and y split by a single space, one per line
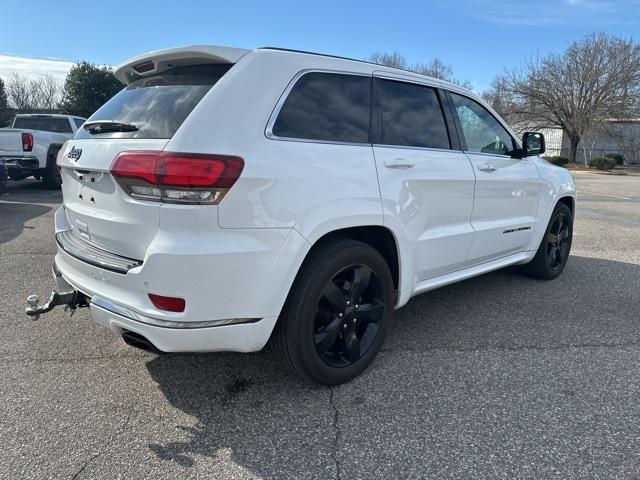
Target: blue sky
478 38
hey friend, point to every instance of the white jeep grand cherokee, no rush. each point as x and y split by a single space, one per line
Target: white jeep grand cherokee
228 197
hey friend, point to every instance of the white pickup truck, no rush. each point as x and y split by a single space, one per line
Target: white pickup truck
30 146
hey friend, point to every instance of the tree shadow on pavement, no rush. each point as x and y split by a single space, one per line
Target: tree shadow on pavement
247 410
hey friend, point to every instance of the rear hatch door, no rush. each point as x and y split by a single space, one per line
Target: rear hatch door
143 116
97 209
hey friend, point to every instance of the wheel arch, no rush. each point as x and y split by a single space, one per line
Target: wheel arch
53 148
569 202
379 237
376 236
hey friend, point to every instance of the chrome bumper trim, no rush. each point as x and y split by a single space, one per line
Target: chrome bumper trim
78 248
156 322
28 163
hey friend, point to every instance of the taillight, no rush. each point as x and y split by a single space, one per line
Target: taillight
176 177
169 304
27 142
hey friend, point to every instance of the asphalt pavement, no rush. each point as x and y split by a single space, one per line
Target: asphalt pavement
500 376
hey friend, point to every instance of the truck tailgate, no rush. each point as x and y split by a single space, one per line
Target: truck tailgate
10 141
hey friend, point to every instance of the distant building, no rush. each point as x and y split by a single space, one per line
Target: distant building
613 136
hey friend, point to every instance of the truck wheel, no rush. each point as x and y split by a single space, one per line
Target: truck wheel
553 252
337 313
51 177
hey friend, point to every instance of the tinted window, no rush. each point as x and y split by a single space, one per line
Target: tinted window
157 105
411 116
44 123
482 132
78 122
327 106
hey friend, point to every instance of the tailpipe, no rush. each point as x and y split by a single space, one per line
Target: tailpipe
136 340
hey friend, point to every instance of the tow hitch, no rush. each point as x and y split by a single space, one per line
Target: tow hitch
71 301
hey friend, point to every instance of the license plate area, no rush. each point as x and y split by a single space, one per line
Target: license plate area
90 187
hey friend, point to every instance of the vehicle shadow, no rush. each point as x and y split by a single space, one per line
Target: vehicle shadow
30 191
14 216
247 410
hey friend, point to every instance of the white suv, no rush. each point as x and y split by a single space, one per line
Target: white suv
228 197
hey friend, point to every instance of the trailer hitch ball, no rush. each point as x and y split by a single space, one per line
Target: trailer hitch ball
32 301
71 300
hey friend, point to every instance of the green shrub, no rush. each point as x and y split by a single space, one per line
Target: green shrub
617 157
602 163
557 160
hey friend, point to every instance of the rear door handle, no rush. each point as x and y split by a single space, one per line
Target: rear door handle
398 163
487 167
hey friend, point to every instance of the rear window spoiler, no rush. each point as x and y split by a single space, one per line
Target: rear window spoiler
160 60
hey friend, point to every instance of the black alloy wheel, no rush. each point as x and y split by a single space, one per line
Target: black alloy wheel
350 311
337 313
553 252
558 242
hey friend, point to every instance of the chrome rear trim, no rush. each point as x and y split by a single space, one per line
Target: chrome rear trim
156 322
80 249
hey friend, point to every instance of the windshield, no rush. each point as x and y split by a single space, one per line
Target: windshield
157 105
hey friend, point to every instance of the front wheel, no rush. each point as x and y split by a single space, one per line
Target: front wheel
553 253
336 316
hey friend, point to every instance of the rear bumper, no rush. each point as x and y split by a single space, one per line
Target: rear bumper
176 336
234 283
20 163
229 338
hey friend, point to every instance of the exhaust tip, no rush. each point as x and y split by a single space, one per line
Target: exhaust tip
136 340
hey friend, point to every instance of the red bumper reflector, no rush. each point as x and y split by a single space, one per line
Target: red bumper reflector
169 304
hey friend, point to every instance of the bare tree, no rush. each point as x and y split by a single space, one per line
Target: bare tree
33 94
49 92
394 60
594 79
19 92
436 68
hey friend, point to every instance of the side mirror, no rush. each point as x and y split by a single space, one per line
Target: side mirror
533 144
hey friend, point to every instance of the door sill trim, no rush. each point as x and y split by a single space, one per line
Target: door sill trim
453 277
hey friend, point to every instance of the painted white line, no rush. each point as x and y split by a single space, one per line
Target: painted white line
43 202
603 195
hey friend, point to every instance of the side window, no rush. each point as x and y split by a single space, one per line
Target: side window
79 122
482 132
327 106
411 116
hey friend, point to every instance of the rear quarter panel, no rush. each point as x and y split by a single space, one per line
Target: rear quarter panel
313 187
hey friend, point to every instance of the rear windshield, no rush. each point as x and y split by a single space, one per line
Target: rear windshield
157 105
46 124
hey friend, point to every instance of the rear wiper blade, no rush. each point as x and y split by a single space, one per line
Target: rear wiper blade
102 126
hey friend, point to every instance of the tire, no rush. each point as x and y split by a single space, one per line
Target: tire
311 337
3 178
553 252
16 177
51 173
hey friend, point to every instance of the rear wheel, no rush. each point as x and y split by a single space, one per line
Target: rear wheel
553 253
51 177
337 313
